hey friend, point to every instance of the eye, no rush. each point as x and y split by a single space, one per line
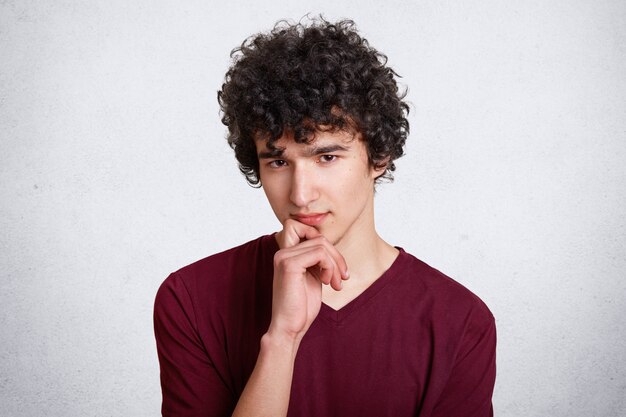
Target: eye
277 163
327 158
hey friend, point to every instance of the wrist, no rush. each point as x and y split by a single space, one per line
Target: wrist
275 341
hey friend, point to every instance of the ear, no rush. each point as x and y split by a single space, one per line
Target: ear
379 169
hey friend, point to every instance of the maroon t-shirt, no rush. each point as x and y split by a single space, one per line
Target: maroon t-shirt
415 343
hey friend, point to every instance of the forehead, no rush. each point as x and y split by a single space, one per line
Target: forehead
287 144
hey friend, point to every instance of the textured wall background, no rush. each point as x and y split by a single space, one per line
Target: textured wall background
114 172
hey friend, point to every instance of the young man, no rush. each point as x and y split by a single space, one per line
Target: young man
323 318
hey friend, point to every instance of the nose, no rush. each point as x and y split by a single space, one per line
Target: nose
304 188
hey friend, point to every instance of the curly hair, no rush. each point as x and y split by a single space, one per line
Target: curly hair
299 78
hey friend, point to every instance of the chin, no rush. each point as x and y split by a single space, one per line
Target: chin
332 237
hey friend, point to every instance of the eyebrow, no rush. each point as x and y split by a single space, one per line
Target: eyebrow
314 151
274 153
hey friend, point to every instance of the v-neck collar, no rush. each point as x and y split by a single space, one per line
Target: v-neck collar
337 316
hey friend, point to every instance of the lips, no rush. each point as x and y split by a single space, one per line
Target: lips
310 219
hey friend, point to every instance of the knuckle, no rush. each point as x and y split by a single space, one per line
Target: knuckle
287 262
282 261
320 251
291 265
279 257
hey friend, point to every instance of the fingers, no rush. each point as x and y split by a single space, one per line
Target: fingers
315 258
319 257
333 251
330 266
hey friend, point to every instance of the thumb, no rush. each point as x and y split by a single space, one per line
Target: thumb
295 232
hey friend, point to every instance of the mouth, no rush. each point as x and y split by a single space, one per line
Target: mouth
314 219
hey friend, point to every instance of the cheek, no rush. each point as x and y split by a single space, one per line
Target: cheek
353 192
271 194
275 197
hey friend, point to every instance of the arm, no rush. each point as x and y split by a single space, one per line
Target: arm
470 386
305 261
190 384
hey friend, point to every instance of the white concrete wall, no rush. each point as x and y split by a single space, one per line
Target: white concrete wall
114 172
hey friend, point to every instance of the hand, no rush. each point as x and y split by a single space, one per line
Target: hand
305 261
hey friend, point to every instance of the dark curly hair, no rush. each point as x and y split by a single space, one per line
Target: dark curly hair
300 78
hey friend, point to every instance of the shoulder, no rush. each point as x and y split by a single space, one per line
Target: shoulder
445 296
218 273
230 259
456 318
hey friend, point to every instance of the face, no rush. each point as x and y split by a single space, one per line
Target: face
327 184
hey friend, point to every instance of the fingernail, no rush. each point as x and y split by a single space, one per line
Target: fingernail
346 274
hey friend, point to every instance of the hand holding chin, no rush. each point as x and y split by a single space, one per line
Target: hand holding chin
306 260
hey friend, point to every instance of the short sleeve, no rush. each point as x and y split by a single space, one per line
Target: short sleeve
190 385
469 389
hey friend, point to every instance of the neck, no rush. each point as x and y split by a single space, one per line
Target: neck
368 257
365 252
